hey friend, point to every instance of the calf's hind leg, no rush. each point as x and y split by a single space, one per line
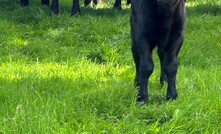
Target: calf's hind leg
145 68
171 67
137 64
163 77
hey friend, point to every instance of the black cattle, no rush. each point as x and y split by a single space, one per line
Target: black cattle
156 23
26 2
117 4
75 6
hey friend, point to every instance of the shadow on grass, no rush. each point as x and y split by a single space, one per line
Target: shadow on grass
202 9
104 12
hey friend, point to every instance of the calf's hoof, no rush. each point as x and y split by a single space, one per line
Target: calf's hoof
163 79
75 12
171 96
54 11
142 98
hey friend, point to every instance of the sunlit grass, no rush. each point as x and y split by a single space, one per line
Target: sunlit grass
62 74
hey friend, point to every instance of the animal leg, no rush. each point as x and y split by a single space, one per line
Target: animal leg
45 2
137 64
145 68
97 2
163 77
54 10
117 5
24 2
171 66
75 10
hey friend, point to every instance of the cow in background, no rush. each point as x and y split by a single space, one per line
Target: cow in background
54 9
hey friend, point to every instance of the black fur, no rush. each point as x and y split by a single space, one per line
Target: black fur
156 23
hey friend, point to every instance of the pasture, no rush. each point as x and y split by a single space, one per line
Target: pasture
63 74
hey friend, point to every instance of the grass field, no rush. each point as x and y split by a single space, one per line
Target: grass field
62 74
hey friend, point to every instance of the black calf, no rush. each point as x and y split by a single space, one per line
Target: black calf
75 6
156 23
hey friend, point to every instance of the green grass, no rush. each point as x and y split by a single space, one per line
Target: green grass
65 74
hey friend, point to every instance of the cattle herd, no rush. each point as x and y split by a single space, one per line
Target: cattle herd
75 10
154 24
